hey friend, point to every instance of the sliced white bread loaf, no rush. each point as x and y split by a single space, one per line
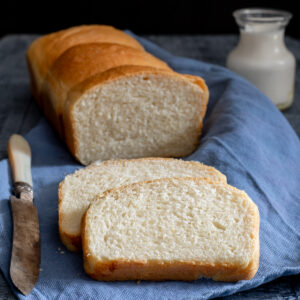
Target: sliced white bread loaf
109 99
78 190
172 229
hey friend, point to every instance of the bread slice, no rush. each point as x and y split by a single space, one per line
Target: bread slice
134 111
78 190
172 229
43 52
81 62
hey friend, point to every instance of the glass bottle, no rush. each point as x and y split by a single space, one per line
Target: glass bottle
261 55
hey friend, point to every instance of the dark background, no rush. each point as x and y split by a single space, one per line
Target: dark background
142 17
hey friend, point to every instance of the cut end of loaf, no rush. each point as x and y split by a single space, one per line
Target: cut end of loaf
172 229
138 115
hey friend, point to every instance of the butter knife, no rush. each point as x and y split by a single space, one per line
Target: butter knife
25 256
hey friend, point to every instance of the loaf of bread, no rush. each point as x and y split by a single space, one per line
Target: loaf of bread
172 229
108 98
78 190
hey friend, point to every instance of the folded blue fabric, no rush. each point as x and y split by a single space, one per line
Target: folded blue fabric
244 136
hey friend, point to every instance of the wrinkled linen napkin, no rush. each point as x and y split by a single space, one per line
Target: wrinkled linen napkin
244 136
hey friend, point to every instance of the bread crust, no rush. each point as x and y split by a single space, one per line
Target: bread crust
155 270
122 270
114 74
43 52
73 240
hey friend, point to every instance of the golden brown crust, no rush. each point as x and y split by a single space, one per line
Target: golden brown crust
111 75
73 241
82 61
199 81
43 52
121 269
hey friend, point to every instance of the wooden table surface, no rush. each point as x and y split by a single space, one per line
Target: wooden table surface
19 113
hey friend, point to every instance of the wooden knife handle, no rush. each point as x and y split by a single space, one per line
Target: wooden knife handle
19 155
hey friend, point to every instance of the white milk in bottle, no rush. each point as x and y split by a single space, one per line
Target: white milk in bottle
261 55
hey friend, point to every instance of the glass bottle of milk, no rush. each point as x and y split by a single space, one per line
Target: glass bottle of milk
261 55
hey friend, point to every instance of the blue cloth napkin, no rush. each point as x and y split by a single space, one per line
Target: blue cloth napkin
244 136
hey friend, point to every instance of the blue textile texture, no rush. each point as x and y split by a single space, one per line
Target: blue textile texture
245 136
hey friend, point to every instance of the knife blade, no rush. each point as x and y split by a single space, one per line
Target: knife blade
25 255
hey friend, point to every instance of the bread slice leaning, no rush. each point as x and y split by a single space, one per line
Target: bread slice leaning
172 229
79 189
